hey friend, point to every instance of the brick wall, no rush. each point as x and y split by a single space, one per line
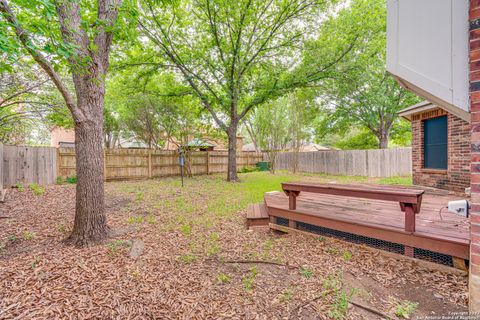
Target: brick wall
457 176
58 135
474 279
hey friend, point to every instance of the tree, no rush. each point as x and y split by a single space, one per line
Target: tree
301 112
283 123
271 125
111 127
235 55
81 43
155 108
25 98
362 92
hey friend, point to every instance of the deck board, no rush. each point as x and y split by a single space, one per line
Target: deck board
380 214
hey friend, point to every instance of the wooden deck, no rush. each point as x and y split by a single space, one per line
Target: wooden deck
378 219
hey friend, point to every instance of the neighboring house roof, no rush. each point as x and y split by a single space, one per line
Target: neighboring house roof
131 142
305 147
61 137
199 143
66 144
134 144
309 146
249 147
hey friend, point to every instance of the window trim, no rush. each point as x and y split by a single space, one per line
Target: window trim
435 170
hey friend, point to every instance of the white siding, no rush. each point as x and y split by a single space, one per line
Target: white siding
427 48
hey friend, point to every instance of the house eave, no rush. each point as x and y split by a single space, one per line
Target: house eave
416 108
435 102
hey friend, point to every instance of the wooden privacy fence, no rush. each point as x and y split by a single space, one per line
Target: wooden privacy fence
124 164
371 163
19 164
42 165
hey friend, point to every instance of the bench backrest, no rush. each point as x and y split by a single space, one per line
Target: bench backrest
388 193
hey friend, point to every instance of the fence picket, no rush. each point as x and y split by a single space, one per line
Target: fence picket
372 163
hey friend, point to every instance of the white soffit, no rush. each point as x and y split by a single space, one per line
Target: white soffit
427 49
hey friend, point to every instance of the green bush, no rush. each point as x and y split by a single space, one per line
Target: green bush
59 180
37 190
248 169
72 179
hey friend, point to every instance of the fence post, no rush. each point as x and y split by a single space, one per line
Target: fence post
149 163
208 162
58 161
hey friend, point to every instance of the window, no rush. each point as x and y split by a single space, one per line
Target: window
435 145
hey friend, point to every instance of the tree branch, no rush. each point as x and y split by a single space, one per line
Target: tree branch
40 59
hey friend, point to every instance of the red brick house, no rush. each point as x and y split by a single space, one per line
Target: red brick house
433 49
445 162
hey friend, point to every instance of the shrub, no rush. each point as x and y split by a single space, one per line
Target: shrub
248 169
72 179
37 190
59 180
19 186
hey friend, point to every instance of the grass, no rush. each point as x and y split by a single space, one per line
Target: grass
249 280
405 309
332 281
224 278
347 256
136 219
205 202
19 187
287 295
306 272
339 308
116 246
28 236
407 181
71 180
187 258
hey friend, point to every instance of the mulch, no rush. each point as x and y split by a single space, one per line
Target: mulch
42 278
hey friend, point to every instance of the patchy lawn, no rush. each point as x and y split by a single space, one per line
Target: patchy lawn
199 261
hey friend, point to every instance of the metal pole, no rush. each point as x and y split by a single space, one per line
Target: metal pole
181 162
181 173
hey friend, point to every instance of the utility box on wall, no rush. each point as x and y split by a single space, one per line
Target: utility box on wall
427 50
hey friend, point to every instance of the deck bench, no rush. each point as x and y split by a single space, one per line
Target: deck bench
410 200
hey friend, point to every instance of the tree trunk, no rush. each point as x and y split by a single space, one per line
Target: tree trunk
232 153
90 223
383 140
272 157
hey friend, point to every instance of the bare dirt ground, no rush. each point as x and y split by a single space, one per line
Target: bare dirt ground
198 262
